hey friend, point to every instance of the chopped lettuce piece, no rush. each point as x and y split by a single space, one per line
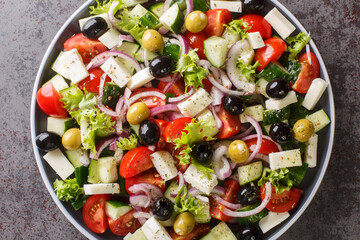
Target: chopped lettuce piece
127 143
67 190
185 202
280 180
101 7
238 26
296 44
248 71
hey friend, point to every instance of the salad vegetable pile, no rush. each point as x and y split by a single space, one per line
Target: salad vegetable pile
183 118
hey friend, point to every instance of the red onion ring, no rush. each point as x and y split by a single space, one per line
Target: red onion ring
181 181
165 79
216 96
224 171
119 105
118 155
101 85
189 7
263 157
308 53
113 20
175 77
224 89
243 134
220 191
254 211
127 38
202 198
259 138
225 79
140 200
148 189
225 203
265 137
104 143
163 31
104 109
145 94
184 45
118 126
219 123
165 108
174 115
99 59
112 146
182 97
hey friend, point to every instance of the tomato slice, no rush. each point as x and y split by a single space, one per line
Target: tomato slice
178 88
161 144
48 100
88 48
232 187
125 224
94 213
216 18
135 161
207 85
282 202
267 146
274 48
231 124
258 24
92 82
150 176
307 74
196 40
198 232
151 101
175 128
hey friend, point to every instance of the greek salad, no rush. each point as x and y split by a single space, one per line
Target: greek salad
183 119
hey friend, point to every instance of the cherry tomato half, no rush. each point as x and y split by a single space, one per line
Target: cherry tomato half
92 82
150 176
175 128
151 101
258 24
267 146
281 202
48 100
94 213
178 88
216 18
196 40
231 124
161 144
125 224
135 161
274 48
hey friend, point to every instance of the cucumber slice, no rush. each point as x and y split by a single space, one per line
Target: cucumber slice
94 172
108 172
76 157
140 56
274 116
254 218
129 48
254 111
60 125
111 95
208 117
220 231
250 172
115 209
146 18
173 19
171 189
203 216
216 49
135 128
275 70
231 37
172 50
320 120
157 9
81 174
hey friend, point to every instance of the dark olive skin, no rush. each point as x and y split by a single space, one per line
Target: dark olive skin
234 105
249 232
249 194
280 132
162 66
277 88
202 152
94 28
149 132
252 6
47 141
162 209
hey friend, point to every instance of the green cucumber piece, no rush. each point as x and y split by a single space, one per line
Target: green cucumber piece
140 56
60 125
111 95
81 174
157 9
129 48
231 37
203 216
75 156
94 176
173 19
250 172
220 231
275 70
171 189
135 128
320 120
146 18
253 218
115 209
216 49
297 174
79 202
172 50
274 116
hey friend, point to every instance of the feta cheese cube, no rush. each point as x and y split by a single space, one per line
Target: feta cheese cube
198 180
316 90
254 111
58 82
101 188
280 23
61 165
232 6
139 79
311 151
153 230
111 38
277 104
104 16
255 40
285 159
164 164
271 220
116 71
195 104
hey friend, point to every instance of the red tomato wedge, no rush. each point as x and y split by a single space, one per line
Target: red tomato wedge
175 128
151 101
161 144
94 213
198 232
258 24
274 48
307 74
231 124
125 224
135 161
232 187
267 146
196 40
92 82
178 88
87 48
216 18
150 176
48 100
207 85
282 202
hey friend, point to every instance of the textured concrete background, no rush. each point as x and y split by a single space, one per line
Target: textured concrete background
26 209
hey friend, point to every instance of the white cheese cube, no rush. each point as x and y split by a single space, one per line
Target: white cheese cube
104 16
61 165
58 82
116 71
111 38
232 6
101 188
280 23
139 79
255 40
277 104
316 90
271 220
198 180
56 125
311 151
195 104
208 117
254 111
164 164
153 230
285 159
131 3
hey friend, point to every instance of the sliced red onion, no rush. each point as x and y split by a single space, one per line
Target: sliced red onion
127 94
142 215
119 126
259 138
101 85
165 108
175 41
232 165
182 97
113 20
225 90
163 31
243 134
184 45
146 188
195 192
215 72
202 198
127 38
308 53
205 64
102 57
216 96
265 137
119 105
104 109
104 143
112 146
189 7
140 200
219 123
166 5
145 94
218 191
225 79
165 79
254 211
225 171
181 181
226 203
219 152
174 115
175 77
263 157
152 148
235 176
118 155
142 221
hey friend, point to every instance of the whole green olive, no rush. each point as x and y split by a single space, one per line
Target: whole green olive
137 113
303 130
238 151
152 40
196 21
71 139
184 223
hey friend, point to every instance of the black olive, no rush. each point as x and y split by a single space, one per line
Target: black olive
149 132
277 88
202 152
162 209
280 132
249 194
253 6
94 28
249 232
161 66
234 105
48 141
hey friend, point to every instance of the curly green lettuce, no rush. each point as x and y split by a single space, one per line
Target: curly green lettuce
101 7
127 143
248 70
280 180
68 190
238 26
192 73
185 202
296 44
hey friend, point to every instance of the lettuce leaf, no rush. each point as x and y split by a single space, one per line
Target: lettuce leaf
248 71
127 143
101 7
238 26
185 202
67 190
280 180
296 44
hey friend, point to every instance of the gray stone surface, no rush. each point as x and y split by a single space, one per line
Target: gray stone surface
28 212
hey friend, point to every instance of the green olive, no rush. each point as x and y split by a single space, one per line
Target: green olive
196 21
137 113
184 223
152 40
71 139
303 130
238 151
